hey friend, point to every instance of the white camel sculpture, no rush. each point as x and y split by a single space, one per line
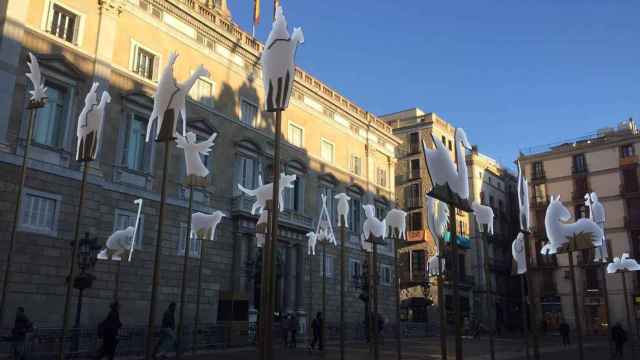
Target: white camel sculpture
170 100
597 215
483 215
39 92
265 192
121 240
443 170
438 221
518 253
523 199
560 232
623 263
203 224
278 62
343 207
90 123
396 220
192 152
312 240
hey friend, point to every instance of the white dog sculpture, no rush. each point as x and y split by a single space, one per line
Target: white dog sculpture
623 263
265 192
192 152
90 123
203 224
483 215
559 232
312 240
396 220
343 207
38 94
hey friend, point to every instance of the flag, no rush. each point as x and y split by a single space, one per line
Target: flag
256 12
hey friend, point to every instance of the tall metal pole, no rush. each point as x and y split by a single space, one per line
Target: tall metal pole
196 322
629 313
116 287
531 298
156 261
487 288
310 318
185 264
323 330
343 273
16 213
525 319
374 287
457 313
72 263
441 304
605 293
576 312
397 296
264 280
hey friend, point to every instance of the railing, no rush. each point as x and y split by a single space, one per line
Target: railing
413 203
538 175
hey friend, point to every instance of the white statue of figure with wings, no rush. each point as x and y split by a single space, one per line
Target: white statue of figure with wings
39 92
192 152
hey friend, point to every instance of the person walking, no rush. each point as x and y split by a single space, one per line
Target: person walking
167 333
293 329
619 337
564 332
21 327
316 327
108 331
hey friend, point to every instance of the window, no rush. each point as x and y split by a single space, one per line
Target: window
356 165
295 135
194 246
412 198
385 274
579 163
202 92
327 151
355 213
381 211
39 212
538 170
293 196
246 172
627 151
248 113
136 153
630 182
329 192
144 62
450 146
417 261
414 143
381 177
51 120
355 268
124 219
444 140
414 221
64 24
414 168
540 194
331 262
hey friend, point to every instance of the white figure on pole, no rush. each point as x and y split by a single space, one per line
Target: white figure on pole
523 200
597 215
122 240
192 152
559 231
39 92
483 215
518 253
90 123
343 207
623 263
445 174
205 224
265 192
312 241
438 221
396 220
324 230
371 227
260 236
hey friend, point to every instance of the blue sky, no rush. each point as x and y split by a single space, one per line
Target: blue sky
513 73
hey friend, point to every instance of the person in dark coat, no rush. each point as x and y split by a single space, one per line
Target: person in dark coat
108 330
316 327
21 327
167 332
619 337
564 332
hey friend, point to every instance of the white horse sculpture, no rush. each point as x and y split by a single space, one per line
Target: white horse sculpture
170 100
623 263
519 254
203 224
396 220
39 92
263 193
483 215
277 62
343 207
523 199
192 152
312 240
442 169
90 123
560 232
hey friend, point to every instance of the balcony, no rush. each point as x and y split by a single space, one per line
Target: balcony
243 204
412 203
409 149
538 174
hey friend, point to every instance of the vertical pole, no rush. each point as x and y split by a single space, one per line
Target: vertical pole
397 293
196 322
16 214
343 273
185 264
441 304
576 311
264 285
155 283
273 239
531 298
457 313
487 288
525 319
72 263
629 313
605 293
310 317
374 287
116 288
323 330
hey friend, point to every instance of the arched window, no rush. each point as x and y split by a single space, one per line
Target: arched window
246 166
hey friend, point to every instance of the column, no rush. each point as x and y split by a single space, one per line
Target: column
300 305
291 279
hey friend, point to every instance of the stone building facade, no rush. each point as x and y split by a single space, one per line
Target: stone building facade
330 143
605 162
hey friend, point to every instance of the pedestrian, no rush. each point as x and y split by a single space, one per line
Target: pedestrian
316 327
293 329
167 332
21 327
619 337
564 332
284 328
108 331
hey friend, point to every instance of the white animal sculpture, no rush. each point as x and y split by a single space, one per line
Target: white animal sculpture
442 169
90 123
265 192
343 207
278 62
519 254
39 92
371 227
483 215
312 240
623 263
121 240
192 152
597 215
396 220
260 236
203 224
560 232
434 265
523 199
438 221
170 100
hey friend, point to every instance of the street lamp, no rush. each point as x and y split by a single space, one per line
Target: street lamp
87 250
361 282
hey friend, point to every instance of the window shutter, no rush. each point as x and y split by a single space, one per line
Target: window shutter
182 234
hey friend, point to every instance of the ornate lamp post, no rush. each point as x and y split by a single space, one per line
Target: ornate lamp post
87 250
361 282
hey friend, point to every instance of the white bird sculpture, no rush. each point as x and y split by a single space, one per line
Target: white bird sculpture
623 263
193 150
170 100
90 124
343 207
484 216
560 232
265 192
278 68
597 215
523 200
519 254
203 224
438 221
396 220
442 169
39 92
